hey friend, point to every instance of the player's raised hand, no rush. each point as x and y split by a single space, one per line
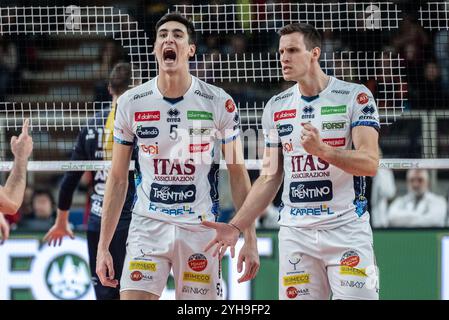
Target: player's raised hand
227 236
22 145
105 269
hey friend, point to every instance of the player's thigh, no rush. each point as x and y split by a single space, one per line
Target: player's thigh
352 268
302 275
137 295
147 263
197 274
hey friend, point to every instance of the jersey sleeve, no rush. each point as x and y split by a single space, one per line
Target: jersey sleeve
71 179
123 132
270 133
364 109
228 124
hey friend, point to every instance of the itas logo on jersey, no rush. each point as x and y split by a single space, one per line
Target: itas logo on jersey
286 114
171 194
308 112
147 132
173 170
173 115
335 142
311 191
147 116
308 166
284 130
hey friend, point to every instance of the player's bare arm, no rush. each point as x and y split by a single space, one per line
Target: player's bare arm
260 196
11 195
240 185
114 198
363 161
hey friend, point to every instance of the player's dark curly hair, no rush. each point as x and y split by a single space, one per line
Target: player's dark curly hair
176 16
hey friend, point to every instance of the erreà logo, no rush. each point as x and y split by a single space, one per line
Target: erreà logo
286 114
68 277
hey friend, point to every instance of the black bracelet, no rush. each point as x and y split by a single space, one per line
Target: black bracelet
231 224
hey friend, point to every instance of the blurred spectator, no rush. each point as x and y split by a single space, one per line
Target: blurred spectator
383 190
42 216
419 207
432 95
8 65
441 48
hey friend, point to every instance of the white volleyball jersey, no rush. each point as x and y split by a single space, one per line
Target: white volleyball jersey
317 194
179 143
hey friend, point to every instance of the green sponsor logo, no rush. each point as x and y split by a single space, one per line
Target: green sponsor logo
340 125
333 110
199 115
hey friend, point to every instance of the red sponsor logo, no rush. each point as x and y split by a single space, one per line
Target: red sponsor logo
136 276
150 149
197 262
230 106
362 98
350 259
287 146
147 116
198 147
292 292
286 114
335 142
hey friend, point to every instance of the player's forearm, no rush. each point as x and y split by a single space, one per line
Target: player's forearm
259 198
15 185
62 217
112 206
240 188
356 162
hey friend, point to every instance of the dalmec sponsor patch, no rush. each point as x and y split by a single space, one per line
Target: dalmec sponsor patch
196 277
296 279
147 116
335 142
286 114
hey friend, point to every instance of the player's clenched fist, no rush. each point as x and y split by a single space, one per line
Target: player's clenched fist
311 140
22 146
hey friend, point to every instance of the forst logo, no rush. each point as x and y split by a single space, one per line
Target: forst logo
136 276
292 292
284 130
197 262
362 98
147 132
286 114
147 116
340 125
